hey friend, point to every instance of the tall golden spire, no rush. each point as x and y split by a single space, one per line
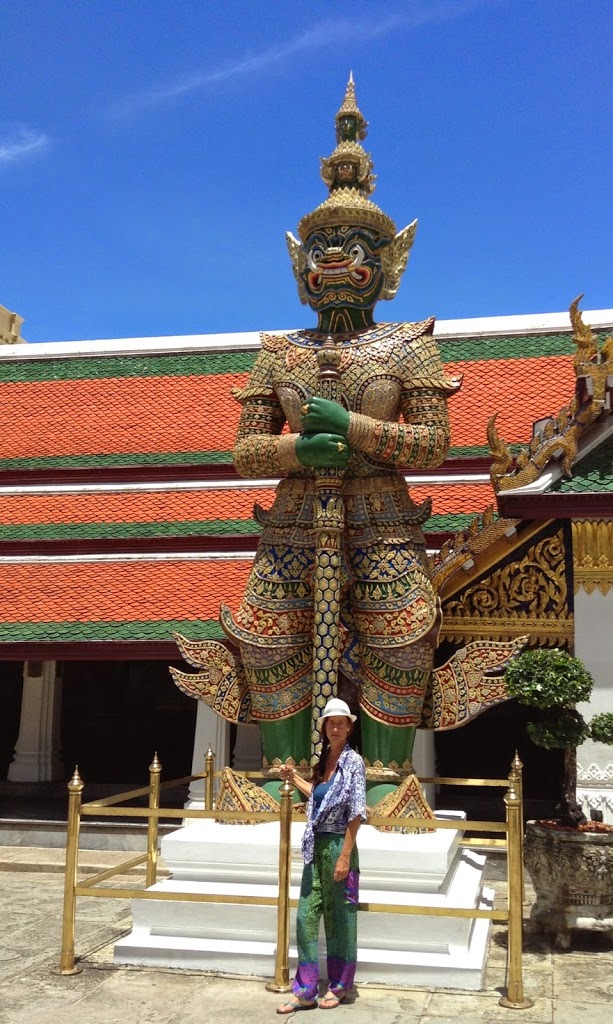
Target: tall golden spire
348 174
345 130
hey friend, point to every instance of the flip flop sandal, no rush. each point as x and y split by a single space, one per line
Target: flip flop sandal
293 1004
330 1001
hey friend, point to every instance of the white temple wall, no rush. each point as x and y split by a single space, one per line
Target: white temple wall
594 646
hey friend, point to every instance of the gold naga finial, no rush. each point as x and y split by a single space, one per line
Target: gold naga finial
502 459
557 438
583 336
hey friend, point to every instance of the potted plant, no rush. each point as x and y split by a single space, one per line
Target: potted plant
570 859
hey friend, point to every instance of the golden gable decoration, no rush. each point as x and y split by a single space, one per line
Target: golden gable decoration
483 531
236 793
406 802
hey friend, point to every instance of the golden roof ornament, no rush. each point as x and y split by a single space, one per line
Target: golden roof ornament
558 437
10 327
348 175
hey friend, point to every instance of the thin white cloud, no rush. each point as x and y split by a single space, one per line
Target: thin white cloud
330 32
20 144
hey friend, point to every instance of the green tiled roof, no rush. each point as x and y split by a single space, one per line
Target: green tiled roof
211 363
592 473
88 632
112 367
115 461
190 528
181 459
120 531
449 523
525 346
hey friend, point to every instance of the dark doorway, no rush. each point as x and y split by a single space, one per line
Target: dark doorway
11 687
484 749
116 714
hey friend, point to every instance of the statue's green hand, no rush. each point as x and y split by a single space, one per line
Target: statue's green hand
322 450
323 415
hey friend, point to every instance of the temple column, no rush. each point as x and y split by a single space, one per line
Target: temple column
211 730
37 751
247 754
424 761
593 572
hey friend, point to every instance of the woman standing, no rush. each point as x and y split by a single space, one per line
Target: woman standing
336 808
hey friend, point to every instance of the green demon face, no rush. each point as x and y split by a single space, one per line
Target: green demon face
343 268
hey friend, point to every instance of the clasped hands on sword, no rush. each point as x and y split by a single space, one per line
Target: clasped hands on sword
324 441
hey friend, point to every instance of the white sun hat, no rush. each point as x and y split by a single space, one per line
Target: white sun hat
335 706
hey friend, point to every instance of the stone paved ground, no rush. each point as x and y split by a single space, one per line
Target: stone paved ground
568 988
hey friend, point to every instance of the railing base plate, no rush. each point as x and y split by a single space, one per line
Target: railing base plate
525 1004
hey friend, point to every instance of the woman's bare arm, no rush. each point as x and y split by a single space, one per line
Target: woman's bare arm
342 865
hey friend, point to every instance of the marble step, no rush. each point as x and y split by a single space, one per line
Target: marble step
94 835
456 968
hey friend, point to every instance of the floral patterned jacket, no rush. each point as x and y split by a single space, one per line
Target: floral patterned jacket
344 801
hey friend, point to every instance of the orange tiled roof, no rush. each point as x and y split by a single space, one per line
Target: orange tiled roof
140 599
131 506
87 591
144 410
116 600
126 416
521 391
166 415
209 512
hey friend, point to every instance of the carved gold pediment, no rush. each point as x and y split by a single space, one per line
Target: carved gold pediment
527 595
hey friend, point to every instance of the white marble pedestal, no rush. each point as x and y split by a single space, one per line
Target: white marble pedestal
208 857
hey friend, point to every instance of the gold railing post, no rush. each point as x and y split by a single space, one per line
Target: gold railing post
153 821
515 998
75 790
281 981
209 781
517 769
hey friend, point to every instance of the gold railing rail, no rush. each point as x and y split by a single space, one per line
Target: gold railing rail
512 828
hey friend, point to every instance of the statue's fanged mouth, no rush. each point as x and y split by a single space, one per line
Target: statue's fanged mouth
347 270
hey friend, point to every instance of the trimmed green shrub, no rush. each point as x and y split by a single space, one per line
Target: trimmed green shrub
601 727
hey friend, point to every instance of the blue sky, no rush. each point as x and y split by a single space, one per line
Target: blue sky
154 152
